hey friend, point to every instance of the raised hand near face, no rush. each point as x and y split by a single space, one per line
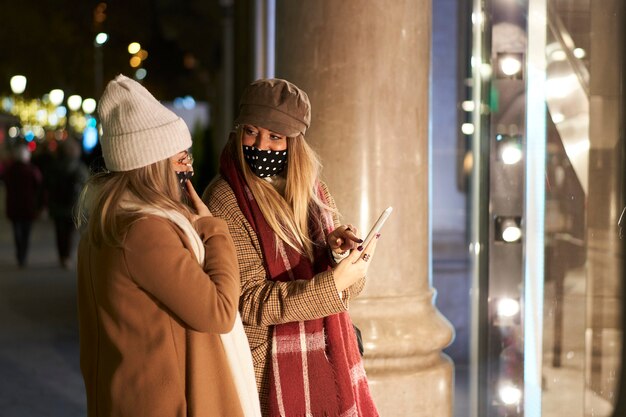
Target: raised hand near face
196 202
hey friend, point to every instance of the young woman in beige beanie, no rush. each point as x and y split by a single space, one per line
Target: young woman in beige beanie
299 266
158 281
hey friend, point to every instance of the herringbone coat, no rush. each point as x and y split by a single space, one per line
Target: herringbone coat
264 303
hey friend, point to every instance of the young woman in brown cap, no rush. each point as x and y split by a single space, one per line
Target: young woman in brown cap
299 267
158 282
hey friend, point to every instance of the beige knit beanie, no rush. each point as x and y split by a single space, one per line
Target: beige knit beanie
137 130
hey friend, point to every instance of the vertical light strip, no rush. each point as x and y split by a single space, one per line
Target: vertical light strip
225 89
430 164
475 207
534 206
264 38
270 58
259 39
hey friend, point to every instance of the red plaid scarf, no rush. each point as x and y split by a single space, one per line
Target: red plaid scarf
316 368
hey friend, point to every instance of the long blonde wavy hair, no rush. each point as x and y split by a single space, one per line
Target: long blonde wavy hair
287 215
99 206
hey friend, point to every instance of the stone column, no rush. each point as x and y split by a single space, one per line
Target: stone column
365 65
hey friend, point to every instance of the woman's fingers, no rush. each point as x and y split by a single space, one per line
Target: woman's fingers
351 232
336 237
355 265
343 238
197 202
354 255
367 253
371 247
192 191
346 237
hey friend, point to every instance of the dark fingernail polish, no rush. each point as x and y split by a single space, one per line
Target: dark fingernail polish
377 235
359 241
360 248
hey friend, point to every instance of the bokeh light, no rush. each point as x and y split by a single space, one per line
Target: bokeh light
101 38
134 47
18 84
74 102
56 96
89 105
135 61
141 73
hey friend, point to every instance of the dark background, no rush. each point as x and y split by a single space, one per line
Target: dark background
51 42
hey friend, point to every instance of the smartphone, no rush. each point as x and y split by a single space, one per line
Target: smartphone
377 226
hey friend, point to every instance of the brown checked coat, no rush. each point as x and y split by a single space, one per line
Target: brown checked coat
263 302
150 318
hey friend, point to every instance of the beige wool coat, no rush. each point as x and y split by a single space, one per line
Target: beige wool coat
150 318
265 303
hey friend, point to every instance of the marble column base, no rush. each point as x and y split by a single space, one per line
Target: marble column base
403 337
424 393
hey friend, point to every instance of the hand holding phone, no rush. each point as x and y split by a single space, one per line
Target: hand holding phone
355 266
377 226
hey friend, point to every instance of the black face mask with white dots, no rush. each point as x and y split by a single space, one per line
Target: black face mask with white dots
265 163
183 176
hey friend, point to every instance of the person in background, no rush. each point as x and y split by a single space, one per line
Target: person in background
299 266
43 157
23 182
158 281
65 178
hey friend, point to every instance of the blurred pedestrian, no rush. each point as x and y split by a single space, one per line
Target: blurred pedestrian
23 198
43 156
158 280
64 179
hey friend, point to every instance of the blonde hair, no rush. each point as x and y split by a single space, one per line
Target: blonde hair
288 216
99 206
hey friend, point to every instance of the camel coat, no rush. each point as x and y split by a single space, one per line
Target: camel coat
150 318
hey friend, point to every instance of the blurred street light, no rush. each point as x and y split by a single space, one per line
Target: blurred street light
18 84
74 102
98 61
141 73
101 38
135 61
89 105
138 55
134 47
56 96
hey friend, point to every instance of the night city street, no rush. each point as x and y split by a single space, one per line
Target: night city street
39 337
495 129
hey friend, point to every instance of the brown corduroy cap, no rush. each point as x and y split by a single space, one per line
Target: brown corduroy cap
276 105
